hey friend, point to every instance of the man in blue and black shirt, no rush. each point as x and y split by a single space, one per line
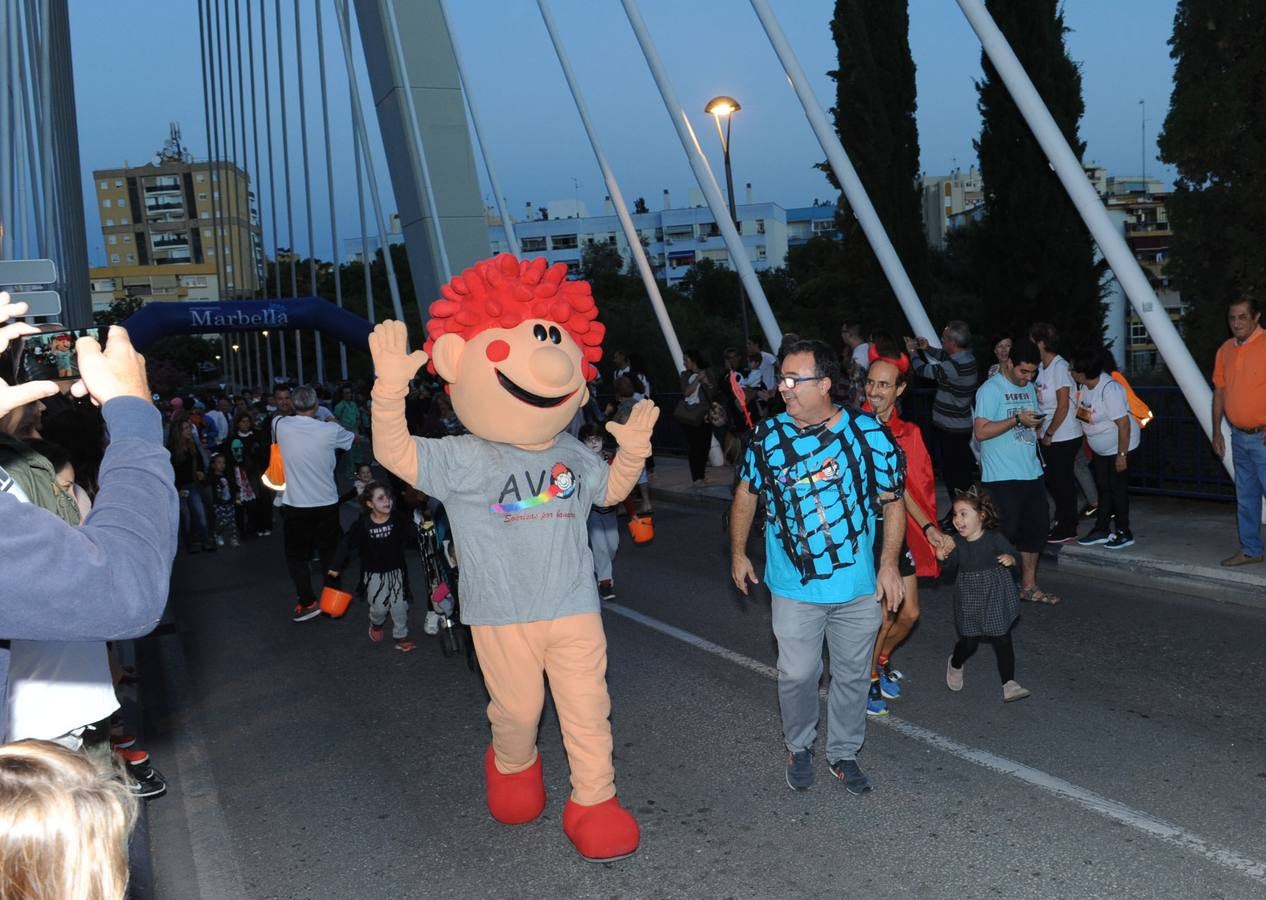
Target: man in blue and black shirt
825 474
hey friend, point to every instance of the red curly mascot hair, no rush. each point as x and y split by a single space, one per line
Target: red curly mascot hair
503 291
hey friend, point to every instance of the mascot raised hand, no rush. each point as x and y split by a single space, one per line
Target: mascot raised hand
517 342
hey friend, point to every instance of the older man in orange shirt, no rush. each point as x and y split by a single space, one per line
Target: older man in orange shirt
1239 394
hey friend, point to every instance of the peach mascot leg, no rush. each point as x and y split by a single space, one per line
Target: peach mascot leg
512 659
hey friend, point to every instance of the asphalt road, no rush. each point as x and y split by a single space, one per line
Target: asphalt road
306 762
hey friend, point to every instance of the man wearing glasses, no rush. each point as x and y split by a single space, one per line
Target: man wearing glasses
824 473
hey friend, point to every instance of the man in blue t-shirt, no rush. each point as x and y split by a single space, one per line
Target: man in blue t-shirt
824 474
1006 422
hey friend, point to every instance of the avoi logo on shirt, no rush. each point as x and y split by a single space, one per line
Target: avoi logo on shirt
562 484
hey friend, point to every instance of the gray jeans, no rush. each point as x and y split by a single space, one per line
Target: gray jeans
386 594
604 541
849 629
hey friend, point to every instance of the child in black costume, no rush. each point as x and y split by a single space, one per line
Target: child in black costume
380 537
224 500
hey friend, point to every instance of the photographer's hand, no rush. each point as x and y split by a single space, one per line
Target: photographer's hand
15 396
117 371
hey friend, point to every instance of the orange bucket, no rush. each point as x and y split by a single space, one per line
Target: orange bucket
335 602
642 529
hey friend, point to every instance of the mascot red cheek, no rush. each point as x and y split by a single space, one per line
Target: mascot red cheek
517 342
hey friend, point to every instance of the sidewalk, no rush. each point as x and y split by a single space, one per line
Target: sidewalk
1179 542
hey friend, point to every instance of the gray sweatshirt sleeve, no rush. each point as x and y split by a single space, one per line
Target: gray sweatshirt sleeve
107 579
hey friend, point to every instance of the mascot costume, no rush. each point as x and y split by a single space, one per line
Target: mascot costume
517 342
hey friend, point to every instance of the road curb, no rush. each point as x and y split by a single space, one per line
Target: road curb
1195 581
694 498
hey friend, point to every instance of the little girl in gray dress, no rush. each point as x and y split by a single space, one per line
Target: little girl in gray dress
986 602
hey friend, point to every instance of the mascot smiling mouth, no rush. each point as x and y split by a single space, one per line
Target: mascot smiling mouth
528 397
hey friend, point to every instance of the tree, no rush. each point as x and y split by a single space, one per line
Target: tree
1035 257
713 288
178 361
601 265
874 116
639 206
1215 135
119 311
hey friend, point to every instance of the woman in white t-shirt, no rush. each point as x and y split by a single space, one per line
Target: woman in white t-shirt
1059 431
1103 410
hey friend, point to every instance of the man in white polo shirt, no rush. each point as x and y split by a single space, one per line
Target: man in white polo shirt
309 505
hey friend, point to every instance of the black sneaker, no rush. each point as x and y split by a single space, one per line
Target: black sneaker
800 770
1097 536
1120 541
145 782
606 590
855 780
302 613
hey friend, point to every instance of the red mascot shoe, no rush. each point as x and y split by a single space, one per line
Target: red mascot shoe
514 799
602 833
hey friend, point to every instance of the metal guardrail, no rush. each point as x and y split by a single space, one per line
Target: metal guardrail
1174 458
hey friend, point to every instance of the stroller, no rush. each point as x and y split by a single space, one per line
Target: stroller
443 613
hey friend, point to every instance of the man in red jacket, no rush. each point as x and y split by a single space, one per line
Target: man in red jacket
886 382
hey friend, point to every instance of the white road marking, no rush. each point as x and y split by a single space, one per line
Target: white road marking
215 865
1119 812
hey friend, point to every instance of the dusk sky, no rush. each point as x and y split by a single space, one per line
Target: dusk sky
709 47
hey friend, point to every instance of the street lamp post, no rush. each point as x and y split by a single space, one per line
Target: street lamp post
237 368
269 345
723 108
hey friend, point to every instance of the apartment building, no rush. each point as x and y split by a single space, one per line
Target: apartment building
177 229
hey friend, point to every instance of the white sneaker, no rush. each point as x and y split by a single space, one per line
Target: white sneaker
1012 691
954 677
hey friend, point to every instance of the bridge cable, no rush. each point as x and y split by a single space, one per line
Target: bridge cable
329 183
307 189
358 126
272 192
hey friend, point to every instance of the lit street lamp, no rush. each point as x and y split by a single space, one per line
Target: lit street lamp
724 108
269 345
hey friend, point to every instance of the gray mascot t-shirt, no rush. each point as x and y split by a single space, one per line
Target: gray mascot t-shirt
519 524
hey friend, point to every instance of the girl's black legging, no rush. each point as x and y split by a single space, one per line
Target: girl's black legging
1002 648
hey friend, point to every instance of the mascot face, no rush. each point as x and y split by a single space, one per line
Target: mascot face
516 343
518 385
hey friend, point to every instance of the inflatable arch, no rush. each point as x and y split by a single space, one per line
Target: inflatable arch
156 320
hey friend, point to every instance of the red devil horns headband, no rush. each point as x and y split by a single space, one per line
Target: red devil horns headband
902 362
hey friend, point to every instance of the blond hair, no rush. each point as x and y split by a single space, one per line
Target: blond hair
64 825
